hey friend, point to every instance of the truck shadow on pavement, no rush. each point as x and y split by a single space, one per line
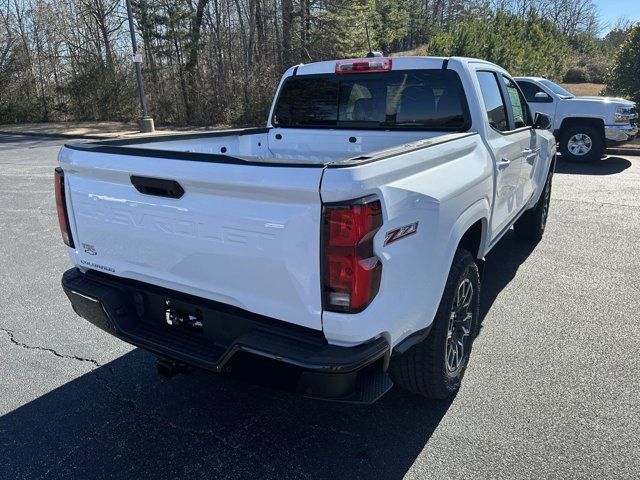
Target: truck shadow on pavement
607 166
122 421
501 266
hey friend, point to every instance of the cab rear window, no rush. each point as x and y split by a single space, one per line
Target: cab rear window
404 99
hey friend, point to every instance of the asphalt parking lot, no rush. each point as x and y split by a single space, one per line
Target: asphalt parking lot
552 390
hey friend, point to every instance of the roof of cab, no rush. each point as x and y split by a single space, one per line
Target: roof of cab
535 79
399 63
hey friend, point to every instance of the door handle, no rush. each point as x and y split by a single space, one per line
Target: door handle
530 151
531 154
503 162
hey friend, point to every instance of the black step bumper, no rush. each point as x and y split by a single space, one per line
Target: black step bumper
229 339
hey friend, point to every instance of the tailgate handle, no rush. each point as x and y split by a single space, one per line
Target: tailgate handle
158 187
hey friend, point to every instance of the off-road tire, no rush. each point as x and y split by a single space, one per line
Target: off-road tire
597 143
531 225
423 368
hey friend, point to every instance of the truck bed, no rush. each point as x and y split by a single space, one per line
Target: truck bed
291 147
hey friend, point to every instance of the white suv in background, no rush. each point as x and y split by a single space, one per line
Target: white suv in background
582 125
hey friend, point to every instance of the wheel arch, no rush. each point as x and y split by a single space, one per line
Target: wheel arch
471 231
572 122
472 239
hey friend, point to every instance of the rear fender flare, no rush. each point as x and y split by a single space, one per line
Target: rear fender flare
479 211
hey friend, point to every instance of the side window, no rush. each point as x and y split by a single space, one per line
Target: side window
517 104
493 102
529 89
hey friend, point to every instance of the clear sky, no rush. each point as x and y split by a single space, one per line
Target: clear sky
611 10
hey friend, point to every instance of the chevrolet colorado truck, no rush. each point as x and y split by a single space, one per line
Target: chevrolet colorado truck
584 126
335 251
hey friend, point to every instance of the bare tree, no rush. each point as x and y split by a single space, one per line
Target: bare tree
213 61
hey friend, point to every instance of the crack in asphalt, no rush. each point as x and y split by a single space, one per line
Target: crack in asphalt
599 204
71 452
13 340
138 412
133 406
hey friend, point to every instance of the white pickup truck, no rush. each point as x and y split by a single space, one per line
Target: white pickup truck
584 126
336 250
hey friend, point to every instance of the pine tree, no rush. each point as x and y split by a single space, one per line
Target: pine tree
340 28
622 78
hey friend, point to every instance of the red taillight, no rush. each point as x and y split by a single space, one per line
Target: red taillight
363 65
61 206
351 270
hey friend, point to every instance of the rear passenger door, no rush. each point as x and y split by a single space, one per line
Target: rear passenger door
504 142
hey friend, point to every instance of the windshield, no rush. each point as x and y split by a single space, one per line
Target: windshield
406 100
557 89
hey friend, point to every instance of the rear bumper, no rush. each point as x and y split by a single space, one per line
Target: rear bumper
617 134
230 338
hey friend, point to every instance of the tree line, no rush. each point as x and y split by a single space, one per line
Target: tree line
219 61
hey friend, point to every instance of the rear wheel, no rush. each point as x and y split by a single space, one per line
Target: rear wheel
581 143
434 367
532 223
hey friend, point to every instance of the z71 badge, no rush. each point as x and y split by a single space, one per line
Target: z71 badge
401 232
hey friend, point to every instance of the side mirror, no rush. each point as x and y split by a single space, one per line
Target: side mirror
542 97
542 121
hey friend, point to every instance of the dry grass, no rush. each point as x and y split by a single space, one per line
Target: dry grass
420 51
588 89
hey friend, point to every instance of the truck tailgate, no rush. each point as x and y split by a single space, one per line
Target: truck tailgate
244 235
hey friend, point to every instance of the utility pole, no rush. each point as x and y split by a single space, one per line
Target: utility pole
145 122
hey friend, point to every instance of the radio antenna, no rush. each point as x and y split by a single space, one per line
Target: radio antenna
366 29
371 53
